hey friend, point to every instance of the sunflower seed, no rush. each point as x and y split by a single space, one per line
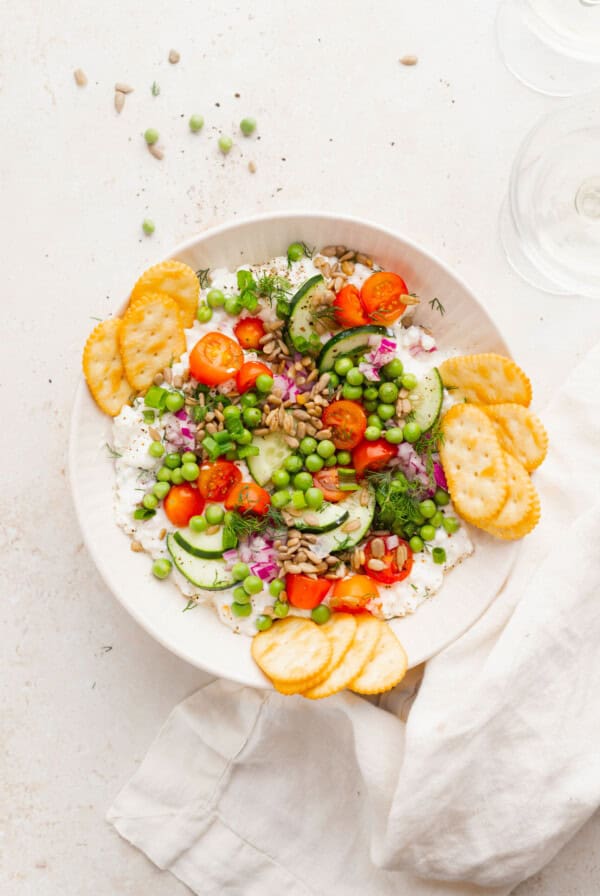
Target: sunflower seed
156 151
323 382
177 381
154 433
211 428
158 379
409 60
212 530
272 326
162 534
324 434
406 406
401 555
364 497
348 268
348 256
328 252
136 547
220 416
283 347
300 429
263 431
168 375
376 565
283 597
288 425
290 441
338 283
174 57
300 414
123 88
364 259
311 519
252 167
81 80
312 375
307 568
119 101
275 399
301 557
403 393
378 547
351 525
410 300
292 568
268 348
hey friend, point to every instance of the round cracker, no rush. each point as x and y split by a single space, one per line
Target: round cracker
293 651
151 338
473 463
519 497
103 367
176 280
386 668
520 433
358 653
486 379
340 630
521 528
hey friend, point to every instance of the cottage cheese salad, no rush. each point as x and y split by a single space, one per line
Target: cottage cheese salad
287 462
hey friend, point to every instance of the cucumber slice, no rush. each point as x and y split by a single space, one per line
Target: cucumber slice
273 450
201 544
208 574
427 399
300 331
351 342
337 539
329 517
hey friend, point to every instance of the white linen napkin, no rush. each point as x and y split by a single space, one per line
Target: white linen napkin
469 790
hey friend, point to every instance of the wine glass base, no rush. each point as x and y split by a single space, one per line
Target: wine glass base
534 61
518 259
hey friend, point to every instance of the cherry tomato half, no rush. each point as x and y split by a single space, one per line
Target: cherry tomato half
392 572
347 422
215 358
353 594
249 373
328 481
372 455
349 310
216 479
182 503
249 332
381 296
248 497
304 592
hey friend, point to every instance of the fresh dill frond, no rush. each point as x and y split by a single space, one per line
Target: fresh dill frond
203 276
111 451
436 305
397 501
155 89
238 526
191 605
325 313
428 444
309 251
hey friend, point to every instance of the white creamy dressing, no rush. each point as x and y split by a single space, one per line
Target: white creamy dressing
135 468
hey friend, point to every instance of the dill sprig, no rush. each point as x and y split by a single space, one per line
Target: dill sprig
397 500
203 276
428 444
325 313
238 526
436 305
111 451
309 251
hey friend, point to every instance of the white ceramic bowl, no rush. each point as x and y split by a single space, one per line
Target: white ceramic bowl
198 636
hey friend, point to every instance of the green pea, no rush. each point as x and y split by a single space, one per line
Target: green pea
198 523
416 544
161 490
204 314
174 402
244 438
281 498
188 457
293 463
298 500
215 298
156 449
342 366
232 305
352 393
372 433
330 462
427 532
263 622
252 584
239 571
326 449
344 458
371 393
392 369
249 400
150 502
295 251
151 136
161 568
225 144
172 461
252 417
280 478
388 393
441 497
214 514
370 406
409 381
164 475
247 127
232 412
148 226
264 383
427 508
308 445
190 472
374 420
314 463
303 481
281 609
355 377
276 586
320 614
176 476
241 609
386 411
314 498
334 379
395 435
451 524
196 123
412 431
240 596
437 519
439 555
405 530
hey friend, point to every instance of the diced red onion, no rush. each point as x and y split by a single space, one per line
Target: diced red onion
286 386
187 432
411 464
369 370
182 414
439 475
230 556
264 570
391 542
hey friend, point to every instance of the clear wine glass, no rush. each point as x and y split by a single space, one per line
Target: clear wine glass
552 46
550 220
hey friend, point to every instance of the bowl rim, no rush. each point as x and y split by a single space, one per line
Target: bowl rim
80 392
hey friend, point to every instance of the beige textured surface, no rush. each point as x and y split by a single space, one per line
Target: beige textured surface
426 149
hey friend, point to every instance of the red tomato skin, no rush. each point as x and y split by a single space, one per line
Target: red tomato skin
372 456
305 593
380 295
248 374
348 421
182 503
353 594
215 359
349 309
327 480
217 478
249 331
248 497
